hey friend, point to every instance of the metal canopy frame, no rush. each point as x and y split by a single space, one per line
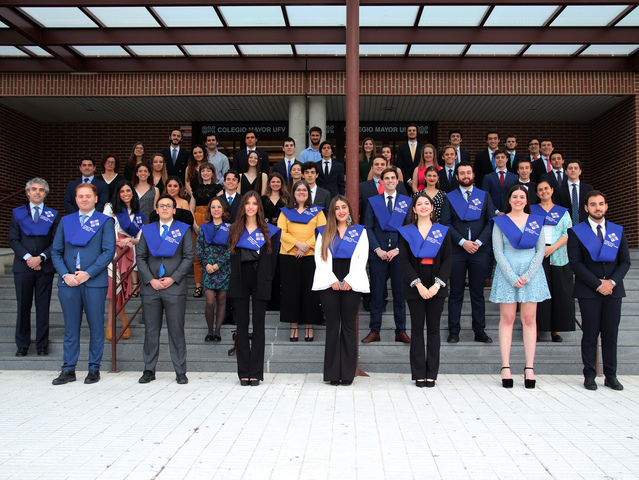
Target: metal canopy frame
58 42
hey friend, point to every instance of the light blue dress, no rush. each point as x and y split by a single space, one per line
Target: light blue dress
512 264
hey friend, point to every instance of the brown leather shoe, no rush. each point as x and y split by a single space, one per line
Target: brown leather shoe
402 337
371 337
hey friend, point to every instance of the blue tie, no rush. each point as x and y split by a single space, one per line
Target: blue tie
492 159
36 214
83 220
165 231
174 156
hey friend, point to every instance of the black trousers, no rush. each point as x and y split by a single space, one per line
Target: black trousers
600 315
475 264
299 303
557 314
27 285
250 353
340 354
424 362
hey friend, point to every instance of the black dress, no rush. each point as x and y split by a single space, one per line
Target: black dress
204 193
271 212
117 179
247 186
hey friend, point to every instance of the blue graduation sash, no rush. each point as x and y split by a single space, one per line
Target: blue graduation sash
306 216
344 247
28 226
518 239
79 235
550 218
212 237
428 247
168 246
467 211
131 227
388 222
600 252
256 240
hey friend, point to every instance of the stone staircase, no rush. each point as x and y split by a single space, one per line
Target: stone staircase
282 356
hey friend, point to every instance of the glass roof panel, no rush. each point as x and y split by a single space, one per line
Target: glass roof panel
587 15
2 25
452 16
59 17
6 51
494 49
520 15
101 50
630 20
40 52
316 16
156 50
382 49
550 50
618 50
437 49
339 50
266 50
188 16
388 16
124 16
211 50
253 16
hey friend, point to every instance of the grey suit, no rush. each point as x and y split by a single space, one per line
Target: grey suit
172 300
322 198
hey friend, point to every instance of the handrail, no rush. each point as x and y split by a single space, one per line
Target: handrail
10 196
115 338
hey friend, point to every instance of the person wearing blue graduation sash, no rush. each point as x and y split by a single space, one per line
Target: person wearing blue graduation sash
425 253
599 256
164 257
213 254
558 313
386 212
253 245
83 248
467 210
519 250
341 252
128 219
31 232
298 302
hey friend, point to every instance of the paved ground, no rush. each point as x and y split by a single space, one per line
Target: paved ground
295 426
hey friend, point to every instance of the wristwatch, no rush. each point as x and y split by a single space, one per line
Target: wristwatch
43 258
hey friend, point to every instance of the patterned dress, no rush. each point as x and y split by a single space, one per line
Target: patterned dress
208 254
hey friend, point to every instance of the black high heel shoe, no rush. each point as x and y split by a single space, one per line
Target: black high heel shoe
311 337
529 383
293 338
506 382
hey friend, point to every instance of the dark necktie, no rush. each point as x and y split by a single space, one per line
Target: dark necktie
326 169
574 210
468 196
36 214
525 184
492 159
165 231
390 204
599 234
501 179
86 180
558 177
174 156
450 176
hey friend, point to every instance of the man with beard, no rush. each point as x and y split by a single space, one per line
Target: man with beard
467 210
408 155
599 257
175 157
87 168
312 153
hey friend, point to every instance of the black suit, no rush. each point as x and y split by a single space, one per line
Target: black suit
240 161
181 162
29 282
406 163
539 168
233 208
463 261
444 184
532 192
551 177
335 182
483 166
599 314
462 156
514 163
565 199
280 167
69 194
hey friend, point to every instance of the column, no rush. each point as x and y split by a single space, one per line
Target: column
297 121
317 115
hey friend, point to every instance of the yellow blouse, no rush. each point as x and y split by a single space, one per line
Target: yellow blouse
293 232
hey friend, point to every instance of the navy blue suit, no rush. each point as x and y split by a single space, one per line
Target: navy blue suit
280 167
380 269
367 190
599 314
90 296
463 261
444 184
497 193
69 195
29 282
335 182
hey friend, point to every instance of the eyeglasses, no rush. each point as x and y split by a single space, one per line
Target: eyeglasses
165 207
109 162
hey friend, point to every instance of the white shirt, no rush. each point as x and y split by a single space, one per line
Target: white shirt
393 196
594 226
554 172
313 192
167 224
570 188
330 164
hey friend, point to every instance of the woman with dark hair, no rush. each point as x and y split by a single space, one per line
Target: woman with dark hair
425 254
558 313
275 198
431 187
137 156
298 222
253 245
253 178
147 193
341 253
213 254
366 155
110 167
295 175
204 189
427 158
519 251
196 160
125 209
183 213
158 166
387 152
